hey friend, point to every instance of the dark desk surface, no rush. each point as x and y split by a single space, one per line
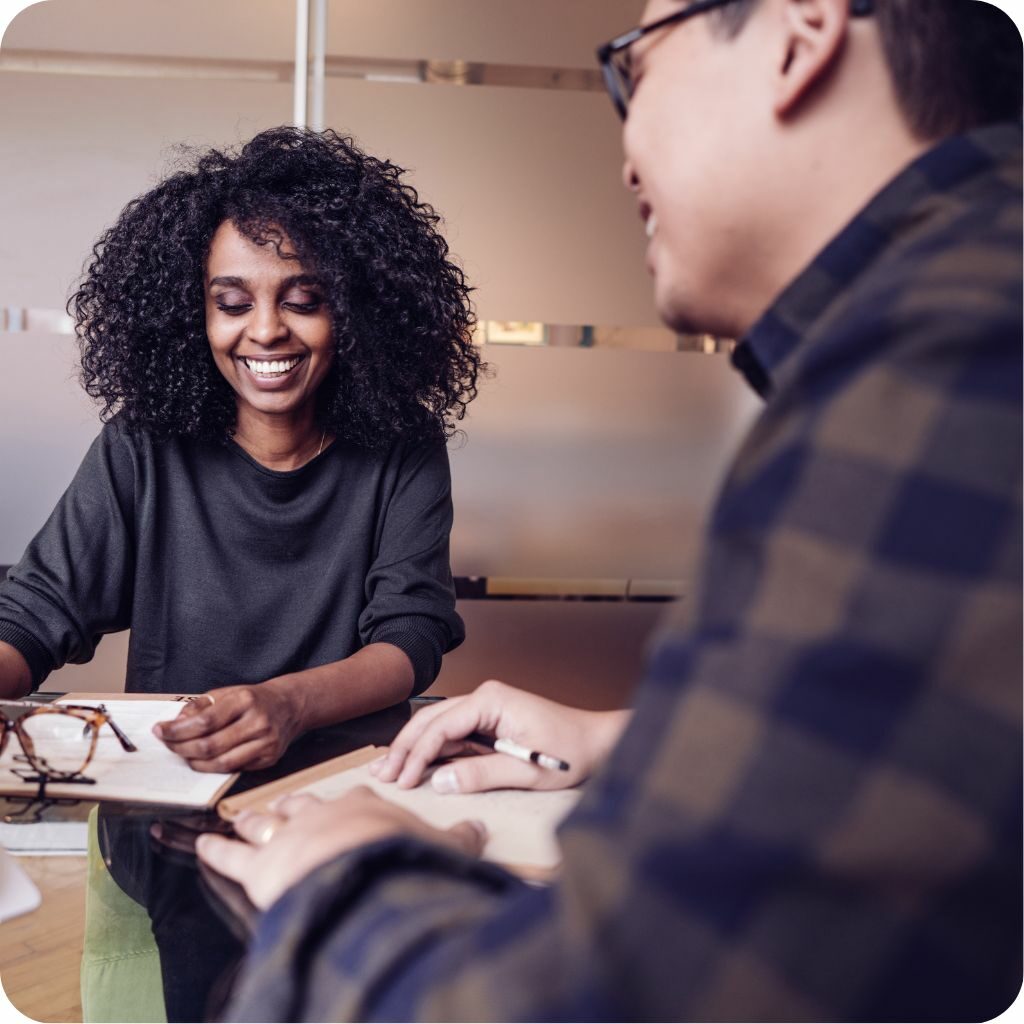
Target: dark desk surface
201 921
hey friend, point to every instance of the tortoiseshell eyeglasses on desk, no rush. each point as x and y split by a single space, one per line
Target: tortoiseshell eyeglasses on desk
57 740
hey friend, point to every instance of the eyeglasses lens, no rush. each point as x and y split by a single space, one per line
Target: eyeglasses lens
61 744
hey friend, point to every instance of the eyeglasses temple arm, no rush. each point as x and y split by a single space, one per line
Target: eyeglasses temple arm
125 742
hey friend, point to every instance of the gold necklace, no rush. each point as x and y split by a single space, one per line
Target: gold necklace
323 437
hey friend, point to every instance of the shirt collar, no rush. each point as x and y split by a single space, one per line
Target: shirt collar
905 200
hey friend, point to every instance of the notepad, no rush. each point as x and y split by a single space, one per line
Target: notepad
151 775
521 824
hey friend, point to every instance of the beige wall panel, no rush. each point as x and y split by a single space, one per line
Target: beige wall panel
46 424
529 185
588 654
104 674
562 33
527 181
593 463
80 148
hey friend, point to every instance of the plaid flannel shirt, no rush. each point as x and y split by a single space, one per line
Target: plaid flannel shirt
816 811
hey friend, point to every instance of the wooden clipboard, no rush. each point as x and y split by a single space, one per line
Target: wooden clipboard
259 798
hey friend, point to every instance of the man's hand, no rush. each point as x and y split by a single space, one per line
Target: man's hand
583 738
302 832
234 728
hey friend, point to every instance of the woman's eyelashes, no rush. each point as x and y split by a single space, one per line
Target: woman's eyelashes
307 304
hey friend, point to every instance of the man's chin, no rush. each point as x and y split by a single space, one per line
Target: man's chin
677 314
682 313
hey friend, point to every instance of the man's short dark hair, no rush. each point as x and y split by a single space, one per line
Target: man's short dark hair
955 64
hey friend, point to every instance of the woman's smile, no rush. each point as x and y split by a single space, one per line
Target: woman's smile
268 324
272 373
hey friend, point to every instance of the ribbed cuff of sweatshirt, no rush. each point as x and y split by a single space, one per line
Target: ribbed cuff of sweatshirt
423 640
40 664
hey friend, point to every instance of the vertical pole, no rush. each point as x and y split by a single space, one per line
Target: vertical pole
301 62
319 63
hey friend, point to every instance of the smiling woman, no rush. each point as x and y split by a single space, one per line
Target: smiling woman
348 241
281 347
271 338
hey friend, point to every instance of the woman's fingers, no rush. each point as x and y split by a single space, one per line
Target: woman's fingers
245 756
213 744
200 718
233 734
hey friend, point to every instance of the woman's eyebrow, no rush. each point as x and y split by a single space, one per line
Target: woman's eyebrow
240 282
306 279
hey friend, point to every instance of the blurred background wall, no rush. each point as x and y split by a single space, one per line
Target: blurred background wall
584 473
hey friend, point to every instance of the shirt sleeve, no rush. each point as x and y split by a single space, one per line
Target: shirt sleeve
410 596
815 813
74 582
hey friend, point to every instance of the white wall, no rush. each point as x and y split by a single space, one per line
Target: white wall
46 424
545 33
578 463
528 180
77 149
593 464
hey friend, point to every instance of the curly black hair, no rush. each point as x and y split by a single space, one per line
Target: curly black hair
405 364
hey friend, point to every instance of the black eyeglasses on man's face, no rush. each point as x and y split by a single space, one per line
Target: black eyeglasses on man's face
614 56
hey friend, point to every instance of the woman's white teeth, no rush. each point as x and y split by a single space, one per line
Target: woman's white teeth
652 224
270 367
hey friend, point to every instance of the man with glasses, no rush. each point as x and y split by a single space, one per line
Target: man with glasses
815 811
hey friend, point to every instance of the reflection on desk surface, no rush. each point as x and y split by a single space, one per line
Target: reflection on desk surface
28 829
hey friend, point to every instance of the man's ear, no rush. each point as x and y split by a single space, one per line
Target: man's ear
813 32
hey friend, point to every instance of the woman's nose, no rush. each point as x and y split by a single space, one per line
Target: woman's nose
267 325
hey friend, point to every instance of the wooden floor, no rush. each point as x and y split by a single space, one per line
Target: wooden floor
40 952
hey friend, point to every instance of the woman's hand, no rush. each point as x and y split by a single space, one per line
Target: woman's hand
234 728
302 832
583 738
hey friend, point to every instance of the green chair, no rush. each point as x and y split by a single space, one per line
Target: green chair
120 974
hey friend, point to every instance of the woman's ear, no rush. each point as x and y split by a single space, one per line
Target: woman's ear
812 36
